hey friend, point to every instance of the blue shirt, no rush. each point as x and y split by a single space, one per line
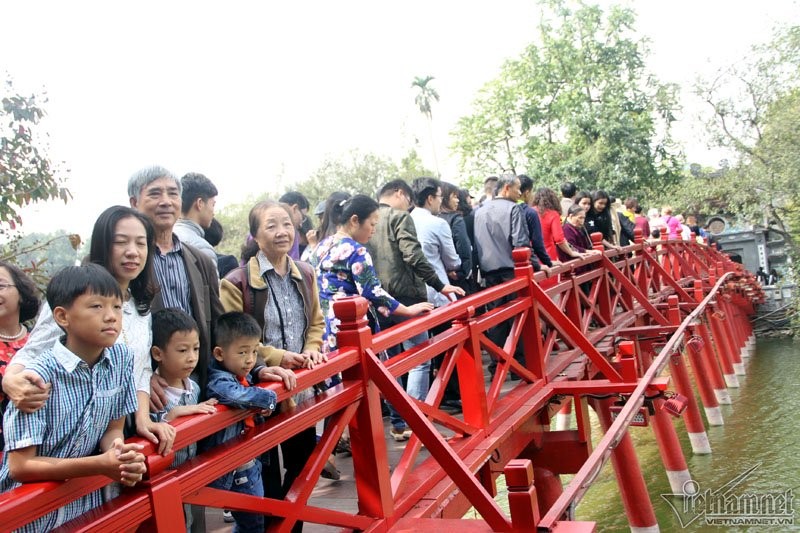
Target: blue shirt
225 387
82 402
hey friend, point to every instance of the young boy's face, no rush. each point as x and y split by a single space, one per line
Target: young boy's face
239 357
92 321
179 356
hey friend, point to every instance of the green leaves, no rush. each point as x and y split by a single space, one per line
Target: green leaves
26 173
426 95
576 105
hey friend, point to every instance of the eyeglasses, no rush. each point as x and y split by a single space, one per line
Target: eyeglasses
4 286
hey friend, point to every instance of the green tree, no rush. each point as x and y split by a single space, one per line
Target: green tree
26 173
353 172
356 172
424 99
754 110
577 105
235 225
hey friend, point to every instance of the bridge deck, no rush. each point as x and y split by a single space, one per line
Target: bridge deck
340 495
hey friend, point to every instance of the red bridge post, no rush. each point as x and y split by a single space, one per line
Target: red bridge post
707 352
632 488
694 422
669 446
521 495
368 443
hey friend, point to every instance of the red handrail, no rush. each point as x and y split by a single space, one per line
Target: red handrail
566 331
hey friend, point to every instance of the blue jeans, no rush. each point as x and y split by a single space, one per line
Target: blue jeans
244 481
418 382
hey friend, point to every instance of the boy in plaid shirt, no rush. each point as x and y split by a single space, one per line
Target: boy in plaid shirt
78 432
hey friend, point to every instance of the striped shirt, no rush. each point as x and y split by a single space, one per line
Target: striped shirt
136 333
172 277
188 395
289 312
82 402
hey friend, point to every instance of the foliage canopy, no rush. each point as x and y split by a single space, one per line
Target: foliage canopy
577 105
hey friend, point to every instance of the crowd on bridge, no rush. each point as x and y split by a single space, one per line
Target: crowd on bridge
156 324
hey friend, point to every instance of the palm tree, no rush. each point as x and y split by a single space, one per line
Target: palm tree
424 100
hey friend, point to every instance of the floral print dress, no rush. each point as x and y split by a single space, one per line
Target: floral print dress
344 268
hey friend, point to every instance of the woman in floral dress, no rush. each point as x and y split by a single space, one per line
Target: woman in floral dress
344 266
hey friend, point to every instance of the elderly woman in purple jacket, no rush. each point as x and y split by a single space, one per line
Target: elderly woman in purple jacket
576 235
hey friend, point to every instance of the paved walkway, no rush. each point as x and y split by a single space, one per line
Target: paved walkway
339 495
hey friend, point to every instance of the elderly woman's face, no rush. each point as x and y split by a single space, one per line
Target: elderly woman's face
578 219
275 234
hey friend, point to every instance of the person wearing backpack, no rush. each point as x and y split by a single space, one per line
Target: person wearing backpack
282 295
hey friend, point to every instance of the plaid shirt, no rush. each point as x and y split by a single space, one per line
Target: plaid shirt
283 290
172 277
82 402
188 395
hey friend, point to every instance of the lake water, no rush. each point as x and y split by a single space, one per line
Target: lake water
761 432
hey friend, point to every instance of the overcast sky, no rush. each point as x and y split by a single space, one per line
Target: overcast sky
256 94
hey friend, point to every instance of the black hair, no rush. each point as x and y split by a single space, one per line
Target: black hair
235 325
144 287
568 189
599 195
423 188
70 283
250 248
395 185
294 198
447 190
28 293
525 183
490 185
194 186
327 227
581 195
338 213
464 205
167 322
213 233
637 209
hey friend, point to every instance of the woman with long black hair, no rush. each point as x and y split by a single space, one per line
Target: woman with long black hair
598 218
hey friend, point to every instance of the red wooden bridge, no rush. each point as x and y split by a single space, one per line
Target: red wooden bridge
602 338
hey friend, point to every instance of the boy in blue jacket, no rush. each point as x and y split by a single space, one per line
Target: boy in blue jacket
236 338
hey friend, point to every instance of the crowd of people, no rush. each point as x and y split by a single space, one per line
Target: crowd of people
156 325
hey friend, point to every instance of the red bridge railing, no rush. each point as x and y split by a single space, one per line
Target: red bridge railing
648 297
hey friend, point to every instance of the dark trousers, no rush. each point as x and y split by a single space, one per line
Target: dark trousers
296 452
500 332
452 392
